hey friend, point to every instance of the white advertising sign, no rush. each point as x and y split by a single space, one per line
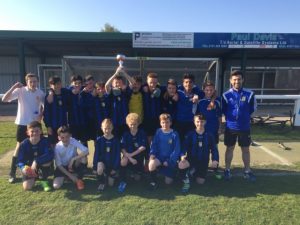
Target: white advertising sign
162 40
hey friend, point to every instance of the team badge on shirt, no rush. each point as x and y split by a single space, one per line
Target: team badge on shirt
107 149
200 141
119 98
200 144
243 98
170 141
62 153
60 102
136 144
103 104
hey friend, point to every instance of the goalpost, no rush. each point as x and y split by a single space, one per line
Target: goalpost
296 98
166 67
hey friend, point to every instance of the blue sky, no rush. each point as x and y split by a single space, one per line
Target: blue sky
269 16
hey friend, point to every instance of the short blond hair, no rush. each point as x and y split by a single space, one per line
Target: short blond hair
107 122
152 75
133 117
30 75
165 116
63 130
34 124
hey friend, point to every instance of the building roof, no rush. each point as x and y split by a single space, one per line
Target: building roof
58 44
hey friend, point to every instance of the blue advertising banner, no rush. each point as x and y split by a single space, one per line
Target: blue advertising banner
215 40
246 40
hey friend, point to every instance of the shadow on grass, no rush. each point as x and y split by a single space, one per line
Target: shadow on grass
269 182
275 133
140 188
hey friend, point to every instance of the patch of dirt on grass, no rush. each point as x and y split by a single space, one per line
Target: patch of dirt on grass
7 118
5 160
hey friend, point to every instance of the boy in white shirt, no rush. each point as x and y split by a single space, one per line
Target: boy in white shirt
67 160
30 108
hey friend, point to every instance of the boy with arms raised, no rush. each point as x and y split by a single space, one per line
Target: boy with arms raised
133 144
30 105
67 159
107 155
35 157
119 95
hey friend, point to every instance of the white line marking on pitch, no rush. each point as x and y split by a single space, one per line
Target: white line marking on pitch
281 159
272 174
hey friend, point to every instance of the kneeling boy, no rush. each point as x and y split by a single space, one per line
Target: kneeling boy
67 160
165 152
133 144
35 157
197 146
107 155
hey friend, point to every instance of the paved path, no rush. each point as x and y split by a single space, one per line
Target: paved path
267 153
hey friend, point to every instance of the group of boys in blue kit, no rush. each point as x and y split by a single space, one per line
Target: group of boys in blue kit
145 128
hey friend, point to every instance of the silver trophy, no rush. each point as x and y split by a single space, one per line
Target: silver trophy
120 58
